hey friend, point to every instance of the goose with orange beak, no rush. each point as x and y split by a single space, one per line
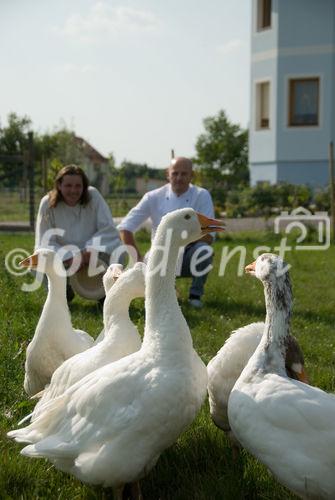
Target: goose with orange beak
111 426
227 365
120 337
294 358
55 339
288 425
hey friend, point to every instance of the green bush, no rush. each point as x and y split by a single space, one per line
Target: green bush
265 199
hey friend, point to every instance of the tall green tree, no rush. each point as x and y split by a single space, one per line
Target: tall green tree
13 136
222 154
52 149
13 141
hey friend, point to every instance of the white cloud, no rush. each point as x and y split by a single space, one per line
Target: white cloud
231 46
105 22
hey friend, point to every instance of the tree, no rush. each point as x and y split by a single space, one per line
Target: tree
13 141
56 149
13 137
222 154
124 177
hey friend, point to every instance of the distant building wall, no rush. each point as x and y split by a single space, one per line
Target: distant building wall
96 166
263 172
144 185
314 173
298 46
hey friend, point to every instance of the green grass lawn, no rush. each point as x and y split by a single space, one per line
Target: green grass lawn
200 464
14 208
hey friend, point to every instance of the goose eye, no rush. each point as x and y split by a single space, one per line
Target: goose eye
187 216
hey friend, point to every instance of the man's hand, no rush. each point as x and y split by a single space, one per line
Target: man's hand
127 238
85 258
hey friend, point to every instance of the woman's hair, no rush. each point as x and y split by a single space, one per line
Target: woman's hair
55 196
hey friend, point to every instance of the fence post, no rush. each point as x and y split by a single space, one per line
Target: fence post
31 180
44 173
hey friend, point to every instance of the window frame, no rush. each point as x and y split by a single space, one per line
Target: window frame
264 11
258 105
291 81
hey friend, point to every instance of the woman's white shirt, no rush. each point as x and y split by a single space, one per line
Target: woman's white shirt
85 226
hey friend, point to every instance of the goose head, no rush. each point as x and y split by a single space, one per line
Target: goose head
134 278
186 225
269 268
273 272
46 261
112 273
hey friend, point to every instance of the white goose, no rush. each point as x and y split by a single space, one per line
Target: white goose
55 340
226 367
113 272
110 427
286 424
108 279
121 336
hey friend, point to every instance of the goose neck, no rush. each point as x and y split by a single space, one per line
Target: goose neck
165 323
118 300
57 288
55 310
161 278
114 314
278 300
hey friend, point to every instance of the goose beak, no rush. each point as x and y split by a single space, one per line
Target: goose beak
115 271
116 275
31 261
302 376
210 225
250 269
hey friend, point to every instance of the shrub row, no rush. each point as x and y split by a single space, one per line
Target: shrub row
265 200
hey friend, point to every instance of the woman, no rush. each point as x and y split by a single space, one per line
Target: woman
76 214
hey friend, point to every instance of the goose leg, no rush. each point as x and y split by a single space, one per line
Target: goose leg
132 491
235 446
136 491
118 493
235 450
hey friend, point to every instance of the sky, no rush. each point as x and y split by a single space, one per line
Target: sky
134 78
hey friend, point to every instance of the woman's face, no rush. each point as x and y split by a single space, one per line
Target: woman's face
71 187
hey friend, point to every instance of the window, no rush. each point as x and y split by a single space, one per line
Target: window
303 102
263 105
263 14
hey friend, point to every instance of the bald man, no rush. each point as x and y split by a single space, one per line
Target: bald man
177 193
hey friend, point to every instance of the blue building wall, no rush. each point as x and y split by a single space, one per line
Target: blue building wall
263 142
305 172
300 43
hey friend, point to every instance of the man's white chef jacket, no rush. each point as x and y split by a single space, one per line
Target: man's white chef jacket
157 203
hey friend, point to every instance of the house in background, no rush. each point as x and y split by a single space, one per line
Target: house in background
292 90
95 165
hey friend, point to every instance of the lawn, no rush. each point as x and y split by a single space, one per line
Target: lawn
15 208
200 464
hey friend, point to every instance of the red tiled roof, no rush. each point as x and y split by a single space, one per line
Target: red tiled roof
92 154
